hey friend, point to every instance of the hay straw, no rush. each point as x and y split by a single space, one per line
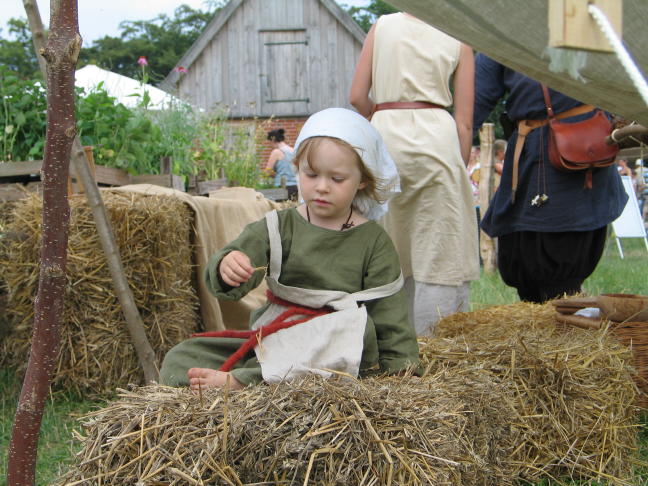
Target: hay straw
573 397
515 401
400 431
153 235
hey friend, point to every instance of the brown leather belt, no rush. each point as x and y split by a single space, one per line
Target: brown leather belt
405 105
525 127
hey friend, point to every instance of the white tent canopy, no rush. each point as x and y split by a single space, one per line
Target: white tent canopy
127 91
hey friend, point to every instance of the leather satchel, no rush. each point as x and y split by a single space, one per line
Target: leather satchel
579 145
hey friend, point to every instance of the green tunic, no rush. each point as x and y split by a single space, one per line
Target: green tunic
316 258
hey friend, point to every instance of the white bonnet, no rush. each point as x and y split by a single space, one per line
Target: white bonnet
354 129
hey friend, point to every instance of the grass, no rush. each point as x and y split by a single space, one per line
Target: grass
612 275
56 444
57 447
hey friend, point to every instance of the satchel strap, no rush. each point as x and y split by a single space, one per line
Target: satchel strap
547 100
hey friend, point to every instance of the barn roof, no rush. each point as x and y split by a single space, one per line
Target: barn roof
221 18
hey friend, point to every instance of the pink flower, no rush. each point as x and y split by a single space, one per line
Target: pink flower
181 70
142 61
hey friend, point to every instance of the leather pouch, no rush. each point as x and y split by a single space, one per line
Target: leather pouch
579 145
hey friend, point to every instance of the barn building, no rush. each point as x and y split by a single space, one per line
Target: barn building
271 63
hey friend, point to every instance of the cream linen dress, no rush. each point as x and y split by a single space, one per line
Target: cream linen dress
432 221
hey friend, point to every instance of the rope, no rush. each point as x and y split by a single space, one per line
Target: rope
620 50
253 337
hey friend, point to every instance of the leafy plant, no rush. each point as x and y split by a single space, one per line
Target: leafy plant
227 149
23 117
132 139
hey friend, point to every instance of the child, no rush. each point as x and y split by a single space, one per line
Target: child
324 255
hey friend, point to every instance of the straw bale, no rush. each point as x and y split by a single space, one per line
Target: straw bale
572 407
497 322
153 235
515 401
400 431
5 217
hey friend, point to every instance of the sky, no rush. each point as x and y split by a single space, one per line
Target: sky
98 18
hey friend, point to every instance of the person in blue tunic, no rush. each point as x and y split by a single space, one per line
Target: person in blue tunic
551 231
280 162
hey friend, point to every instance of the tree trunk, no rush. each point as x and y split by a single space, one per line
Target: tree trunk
61 54
145 353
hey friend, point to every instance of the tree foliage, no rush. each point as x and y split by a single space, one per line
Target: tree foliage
17 51
162 41
366 16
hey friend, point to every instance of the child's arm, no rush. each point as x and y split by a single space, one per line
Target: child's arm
230 271
397 345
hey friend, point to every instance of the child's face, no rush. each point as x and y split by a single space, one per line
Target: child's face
330 182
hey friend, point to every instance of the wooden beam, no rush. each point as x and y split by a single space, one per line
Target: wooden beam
165 180
111 176
11 169
205 187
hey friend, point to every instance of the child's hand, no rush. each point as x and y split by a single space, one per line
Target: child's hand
235 268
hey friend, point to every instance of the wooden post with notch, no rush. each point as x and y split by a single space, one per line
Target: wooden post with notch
165 164
486 183
77 187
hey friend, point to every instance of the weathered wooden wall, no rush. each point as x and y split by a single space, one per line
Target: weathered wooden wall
274 58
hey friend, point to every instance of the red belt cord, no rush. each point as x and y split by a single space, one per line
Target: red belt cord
254 336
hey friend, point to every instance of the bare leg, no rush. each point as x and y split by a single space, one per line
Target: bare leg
202 378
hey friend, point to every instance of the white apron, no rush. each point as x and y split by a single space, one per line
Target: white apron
322 345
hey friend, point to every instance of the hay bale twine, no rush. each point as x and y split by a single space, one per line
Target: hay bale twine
153 234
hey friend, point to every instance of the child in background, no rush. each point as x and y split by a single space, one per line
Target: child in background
325 255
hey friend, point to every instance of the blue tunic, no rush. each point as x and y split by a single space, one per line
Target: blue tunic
284 168
570 207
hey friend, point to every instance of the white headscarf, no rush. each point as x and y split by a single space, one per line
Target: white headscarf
354 129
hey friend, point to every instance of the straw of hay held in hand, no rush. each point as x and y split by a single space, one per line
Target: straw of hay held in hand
153 236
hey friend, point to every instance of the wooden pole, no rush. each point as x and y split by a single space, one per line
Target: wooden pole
145 353
38 33
165 164
486 184
61 54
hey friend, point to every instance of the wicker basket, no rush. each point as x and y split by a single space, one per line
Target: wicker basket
635 335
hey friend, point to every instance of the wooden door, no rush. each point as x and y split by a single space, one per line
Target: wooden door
284 73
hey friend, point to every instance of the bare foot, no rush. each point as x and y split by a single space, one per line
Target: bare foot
203 378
